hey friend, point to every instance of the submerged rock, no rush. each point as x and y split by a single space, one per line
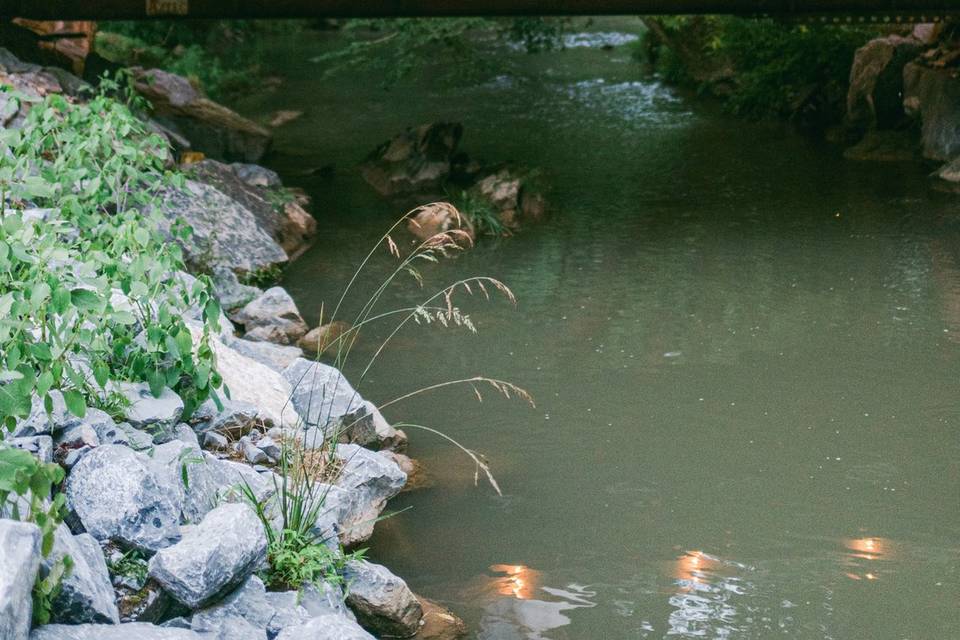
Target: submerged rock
439 623
117 494
221 552
19 561
382 601
322 338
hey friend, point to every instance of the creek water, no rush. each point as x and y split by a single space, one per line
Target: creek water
745 353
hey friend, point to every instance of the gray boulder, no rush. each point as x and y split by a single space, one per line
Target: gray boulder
216 555
117 494
225 233
293 608
19 561
229 291
276 356
243 614
273 317
127 631
40 446
256 176
156 415
86 594
382 601
235 420
329 627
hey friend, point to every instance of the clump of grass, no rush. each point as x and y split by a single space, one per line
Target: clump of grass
305 469
482 214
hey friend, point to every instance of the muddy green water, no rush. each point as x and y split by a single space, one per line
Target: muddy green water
745 353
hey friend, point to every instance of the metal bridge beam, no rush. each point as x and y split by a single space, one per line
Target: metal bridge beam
253 9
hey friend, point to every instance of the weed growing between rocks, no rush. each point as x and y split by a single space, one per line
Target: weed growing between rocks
299 550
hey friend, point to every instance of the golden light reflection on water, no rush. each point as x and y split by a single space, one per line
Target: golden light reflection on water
863 553
518 581
693 566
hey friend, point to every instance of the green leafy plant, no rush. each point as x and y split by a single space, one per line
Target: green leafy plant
90 290
26 486
131 564
295 560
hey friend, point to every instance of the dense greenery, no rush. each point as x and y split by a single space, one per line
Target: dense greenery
760 67
90 292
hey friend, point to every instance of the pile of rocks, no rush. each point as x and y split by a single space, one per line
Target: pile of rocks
901 83
164 492
170 491
424 164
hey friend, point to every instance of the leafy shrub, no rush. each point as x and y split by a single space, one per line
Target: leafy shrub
27 483
87 272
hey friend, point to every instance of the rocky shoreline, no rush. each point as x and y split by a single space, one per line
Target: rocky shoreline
161 534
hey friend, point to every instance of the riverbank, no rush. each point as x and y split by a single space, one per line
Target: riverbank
886 94
202 477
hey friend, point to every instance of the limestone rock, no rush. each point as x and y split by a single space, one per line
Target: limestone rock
85 594
118 494
225 233
128 631
244 613
229 291
40 446
382 601
220 553
276 356
150 413
329 627
19 561
273 317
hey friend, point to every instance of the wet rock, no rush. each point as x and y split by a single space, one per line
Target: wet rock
211 128
875 94
40 446
418 161
329 627
382 601
19 561
117 494
221 552
276 356
439 623
225 233
243 614
273 317
85 594
416 476
934 96
318 340
274 210
146 412
950 172
128 631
